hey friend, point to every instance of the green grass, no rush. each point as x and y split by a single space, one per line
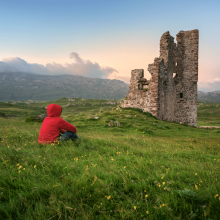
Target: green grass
144 169
208 114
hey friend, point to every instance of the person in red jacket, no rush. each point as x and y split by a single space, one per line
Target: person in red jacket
53 125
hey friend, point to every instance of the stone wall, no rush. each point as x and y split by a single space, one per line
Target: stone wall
138 95
166 83
171 93
186 77
143 93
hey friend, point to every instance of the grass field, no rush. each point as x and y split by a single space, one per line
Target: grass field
208 114
143 169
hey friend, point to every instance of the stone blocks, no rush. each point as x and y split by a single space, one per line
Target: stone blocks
171 93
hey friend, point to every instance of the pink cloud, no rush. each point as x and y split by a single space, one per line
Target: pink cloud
78 67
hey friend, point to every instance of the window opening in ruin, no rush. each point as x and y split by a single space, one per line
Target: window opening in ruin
174 74
181 95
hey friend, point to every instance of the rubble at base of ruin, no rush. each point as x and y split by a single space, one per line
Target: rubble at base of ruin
171 93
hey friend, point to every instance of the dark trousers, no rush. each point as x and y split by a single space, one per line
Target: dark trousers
69 135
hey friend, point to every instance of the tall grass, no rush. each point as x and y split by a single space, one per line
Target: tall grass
144 169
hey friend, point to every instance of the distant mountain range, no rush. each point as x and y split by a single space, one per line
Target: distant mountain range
23 86
209 96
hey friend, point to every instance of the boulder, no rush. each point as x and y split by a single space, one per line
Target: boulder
117 123
110 124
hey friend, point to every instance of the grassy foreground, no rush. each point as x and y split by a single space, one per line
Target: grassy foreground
143 169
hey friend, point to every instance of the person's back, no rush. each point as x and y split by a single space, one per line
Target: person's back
53 125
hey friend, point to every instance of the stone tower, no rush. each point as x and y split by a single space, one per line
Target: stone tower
171 93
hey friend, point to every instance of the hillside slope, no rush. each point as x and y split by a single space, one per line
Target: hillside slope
209 96
24 86
129 165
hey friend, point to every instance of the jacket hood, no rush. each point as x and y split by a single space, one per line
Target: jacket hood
54 110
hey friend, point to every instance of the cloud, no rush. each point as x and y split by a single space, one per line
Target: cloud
209 86
75 56
125 79
78 67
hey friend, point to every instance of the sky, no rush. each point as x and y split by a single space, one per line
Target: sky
104 39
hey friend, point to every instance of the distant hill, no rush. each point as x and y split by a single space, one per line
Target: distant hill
209 96
24 86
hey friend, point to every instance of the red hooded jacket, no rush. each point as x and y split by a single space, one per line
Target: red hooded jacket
53 124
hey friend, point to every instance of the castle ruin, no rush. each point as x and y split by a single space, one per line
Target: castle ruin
171 93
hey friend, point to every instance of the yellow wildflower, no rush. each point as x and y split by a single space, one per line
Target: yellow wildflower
108 197
147 212
146 196
19 167
196 187
163 183
216 196
34 166
162 177
124 167
195 173
134 207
